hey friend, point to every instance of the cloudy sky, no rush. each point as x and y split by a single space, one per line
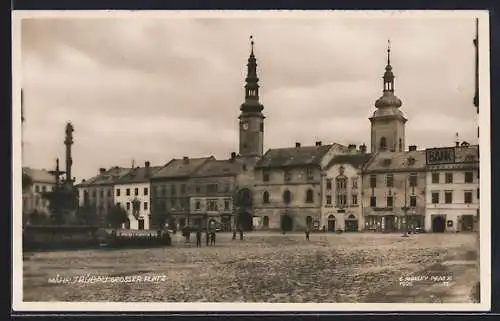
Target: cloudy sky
157 88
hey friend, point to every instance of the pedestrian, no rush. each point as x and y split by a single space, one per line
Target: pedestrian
207 237
234 234
307 234
198 238
212 238
241 234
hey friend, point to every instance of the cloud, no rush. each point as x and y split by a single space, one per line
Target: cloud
157 88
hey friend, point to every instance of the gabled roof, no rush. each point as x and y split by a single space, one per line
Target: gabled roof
182 167
109 177
39 175
214 168
356 160
397 161
138 175
293 156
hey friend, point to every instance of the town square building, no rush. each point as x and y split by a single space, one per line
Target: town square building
132 193
41 181
341 187
452 194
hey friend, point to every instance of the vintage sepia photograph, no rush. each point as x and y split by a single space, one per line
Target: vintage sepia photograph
272 160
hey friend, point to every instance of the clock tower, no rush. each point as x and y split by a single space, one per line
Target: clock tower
251 117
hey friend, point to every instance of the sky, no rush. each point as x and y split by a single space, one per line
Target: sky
151 89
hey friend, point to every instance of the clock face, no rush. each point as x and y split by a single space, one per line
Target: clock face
244 125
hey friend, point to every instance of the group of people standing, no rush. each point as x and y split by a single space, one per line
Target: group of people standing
209 238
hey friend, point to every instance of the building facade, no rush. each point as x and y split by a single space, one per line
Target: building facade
42 181
170 187
287 188
452 200
132 192
394 185
211 192
98 191
341 207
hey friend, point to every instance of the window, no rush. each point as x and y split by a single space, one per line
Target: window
127 191
309 174
145 206
435 178
341 183
354 181
390 180
435 197
448 178
288 175
329 184
469 177
477 193
146 191
117 192
389 201
128 206
413 179
226 205
44 188
354 200
37 188
329 200
212 205
383 143
373 181
101 193
448 197
373 201
468 197
183 189
265 176
265 197
413 201
341 200
287 197
197 205
309 196
136 191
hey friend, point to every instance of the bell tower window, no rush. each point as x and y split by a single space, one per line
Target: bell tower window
383 143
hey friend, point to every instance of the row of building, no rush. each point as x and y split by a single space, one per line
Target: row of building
327 187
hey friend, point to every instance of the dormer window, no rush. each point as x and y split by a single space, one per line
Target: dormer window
386 162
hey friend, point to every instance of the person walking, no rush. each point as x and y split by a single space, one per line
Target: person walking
307 234
212 238
241 234
198 238
207 237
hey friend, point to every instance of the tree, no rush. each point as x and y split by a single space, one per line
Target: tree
87 214
136 208
117 215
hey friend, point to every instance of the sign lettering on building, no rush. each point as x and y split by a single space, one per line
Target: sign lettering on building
436 156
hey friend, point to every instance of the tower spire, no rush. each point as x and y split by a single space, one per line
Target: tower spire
388 52
252 83
388 75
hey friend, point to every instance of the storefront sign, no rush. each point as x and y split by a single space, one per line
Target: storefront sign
436 156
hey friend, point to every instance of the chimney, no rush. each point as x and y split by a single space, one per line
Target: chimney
297 144
147 164
362 149
102 170
233 156
185 159
412 148
318 143
457 144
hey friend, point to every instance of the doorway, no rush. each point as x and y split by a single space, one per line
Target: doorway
438 224
467 223
141 224
286 223
351 224
331 223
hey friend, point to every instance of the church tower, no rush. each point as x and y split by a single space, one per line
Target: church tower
251 117
388 122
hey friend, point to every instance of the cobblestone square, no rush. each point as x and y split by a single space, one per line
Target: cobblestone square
265 267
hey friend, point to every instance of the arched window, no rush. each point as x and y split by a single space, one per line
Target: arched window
265 197
383 143
309 196
287 197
